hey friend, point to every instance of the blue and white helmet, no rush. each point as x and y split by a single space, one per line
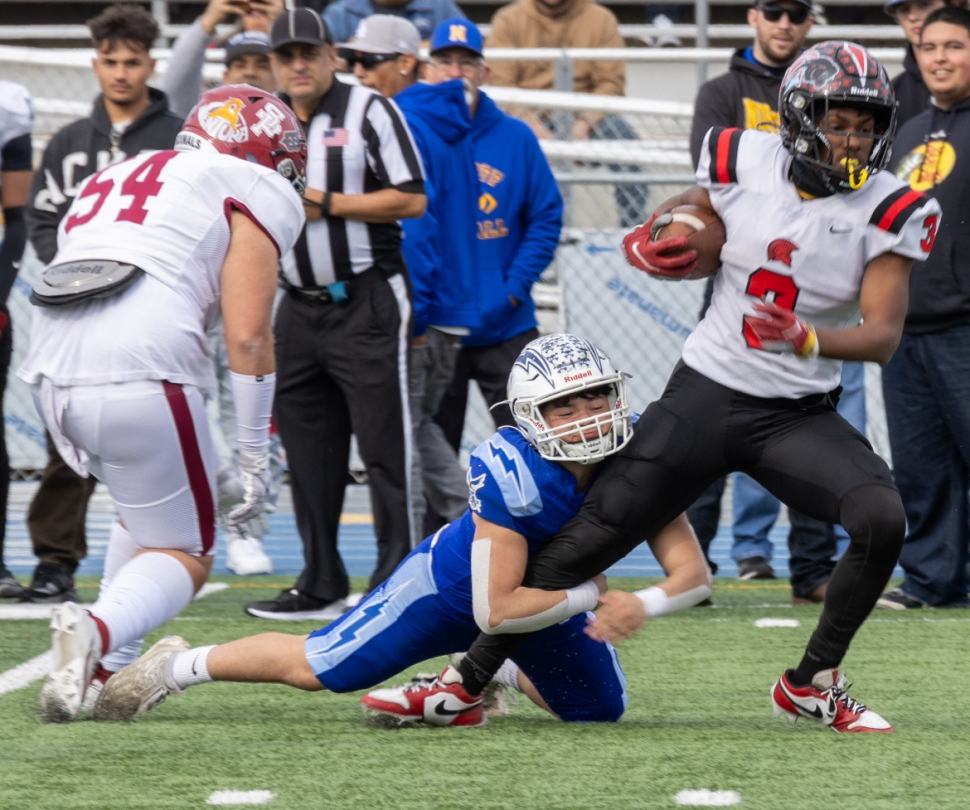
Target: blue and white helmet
555 366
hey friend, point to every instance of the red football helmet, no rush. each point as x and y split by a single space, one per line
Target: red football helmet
248 123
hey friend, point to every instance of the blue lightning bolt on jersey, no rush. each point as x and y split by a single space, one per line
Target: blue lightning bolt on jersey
511 485
424 609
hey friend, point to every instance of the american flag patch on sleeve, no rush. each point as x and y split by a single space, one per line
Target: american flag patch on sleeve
336 137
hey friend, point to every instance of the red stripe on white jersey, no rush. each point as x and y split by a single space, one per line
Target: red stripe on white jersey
198 480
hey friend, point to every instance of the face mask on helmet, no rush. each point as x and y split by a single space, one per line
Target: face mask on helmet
551 371
829 77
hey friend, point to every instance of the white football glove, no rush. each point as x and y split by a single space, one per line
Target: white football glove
254 471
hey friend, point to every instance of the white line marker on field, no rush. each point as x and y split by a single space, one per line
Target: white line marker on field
26 673
210 588
39 667
777 623
241 797
707 798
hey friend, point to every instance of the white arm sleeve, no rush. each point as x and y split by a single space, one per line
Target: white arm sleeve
658 603
578 600
253 398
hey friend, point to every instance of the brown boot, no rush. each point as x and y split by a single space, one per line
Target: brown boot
815 597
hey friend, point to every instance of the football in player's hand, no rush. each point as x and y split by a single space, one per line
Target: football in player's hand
705 233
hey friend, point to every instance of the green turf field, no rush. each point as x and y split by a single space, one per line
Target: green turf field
699 717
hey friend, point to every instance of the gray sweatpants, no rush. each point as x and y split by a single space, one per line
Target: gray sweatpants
435 473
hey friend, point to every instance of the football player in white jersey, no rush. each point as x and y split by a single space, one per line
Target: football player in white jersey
150 252
815 270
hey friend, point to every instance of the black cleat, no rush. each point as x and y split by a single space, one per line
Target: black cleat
895 599
755 568
9 587
51 583
293 606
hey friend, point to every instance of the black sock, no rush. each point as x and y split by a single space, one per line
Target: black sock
810 665
483 660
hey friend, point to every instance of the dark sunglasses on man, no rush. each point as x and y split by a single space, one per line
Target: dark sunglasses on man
796 16
368 61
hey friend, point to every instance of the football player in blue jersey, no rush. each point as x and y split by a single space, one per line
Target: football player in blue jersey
525 483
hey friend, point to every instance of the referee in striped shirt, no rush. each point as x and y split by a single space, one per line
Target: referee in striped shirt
343 327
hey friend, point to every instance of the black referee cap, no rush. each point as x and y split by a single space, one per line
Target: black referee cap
299 25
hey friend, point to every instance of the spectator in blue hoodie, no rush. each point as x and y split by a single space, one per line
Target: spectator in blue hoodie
343 16
519 220
440 248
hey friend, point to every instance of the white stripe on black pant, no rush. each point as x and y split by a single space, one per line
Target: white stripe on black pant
342 369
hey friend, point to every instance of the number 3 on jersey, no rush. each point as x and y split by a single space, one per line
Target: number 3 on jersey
141 184
770 287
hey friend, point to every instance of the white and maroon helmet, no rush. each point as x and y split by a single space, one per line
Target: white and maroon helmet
558 365
251 124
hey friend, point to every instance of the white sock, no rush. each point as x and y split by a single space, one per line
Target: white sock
121 550
148 591
188 668
508 675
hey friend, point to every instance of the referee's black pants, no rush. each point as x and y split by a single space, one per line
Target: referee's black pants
801 451
342 370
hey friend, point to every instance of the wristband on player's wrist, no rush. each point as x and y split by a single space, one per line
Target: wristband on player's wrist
253 397
809 348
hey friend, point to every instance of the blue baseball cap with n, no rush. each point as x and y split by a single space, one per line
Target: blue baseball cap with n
457 33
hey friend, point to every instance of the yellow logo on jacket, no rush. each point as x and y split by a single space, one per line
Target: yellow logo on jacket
489 175
928 165
760 116
487 203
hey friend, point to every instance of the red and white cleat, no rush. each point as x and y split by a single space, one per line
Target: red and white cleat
442 701
826 700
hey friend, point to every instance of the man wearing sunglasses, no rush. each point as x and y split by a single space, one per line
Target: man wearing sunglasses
439 248
747 97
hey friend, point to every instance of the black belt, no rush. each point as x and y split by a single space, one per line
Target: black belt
340 291
336 293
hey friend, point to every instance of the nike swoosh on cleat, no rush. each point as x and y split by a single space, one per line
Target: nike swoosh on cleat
440 709
816 712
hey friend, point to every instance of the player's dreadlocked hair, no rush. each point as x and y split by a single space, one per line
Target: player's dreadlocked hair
123 23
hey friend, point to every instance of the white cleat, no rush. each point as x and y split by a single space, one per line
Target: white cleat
76 648
246 555
140 687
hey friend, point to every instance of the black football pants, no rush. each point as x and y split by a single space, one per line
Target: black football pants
801 451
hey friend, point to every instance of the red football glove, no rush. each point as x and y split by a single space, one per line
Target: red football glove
780 331
646 255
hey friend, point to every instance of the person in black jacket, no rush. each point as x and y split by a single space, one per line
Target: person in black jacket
927 382
128 117
747 97
911 91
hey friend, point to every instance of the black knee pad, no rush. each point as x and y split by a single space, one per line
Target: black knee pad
874 516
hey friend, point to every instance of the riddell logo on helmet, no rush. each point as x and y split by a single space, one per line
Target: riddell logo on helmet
781 250
574 377
222 120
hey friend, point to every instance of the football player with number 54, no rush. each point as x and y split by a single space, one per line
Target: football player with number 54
150 252
814 271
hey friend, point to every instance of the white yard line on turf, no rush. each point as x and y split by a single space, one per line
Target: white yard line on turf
241 797
707 798
210 588
25 674
777 623
36 668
